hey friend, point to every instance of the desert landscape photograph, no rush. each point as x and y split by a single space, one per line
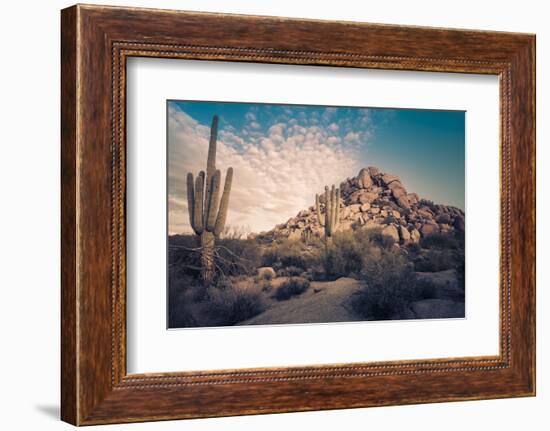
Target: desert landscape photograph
304 214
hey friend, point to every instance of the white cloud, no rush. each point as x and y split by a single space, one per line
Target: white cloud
276 174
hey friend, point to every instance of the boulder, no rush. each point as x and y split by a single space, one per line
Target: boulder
371 224
266 272
374 210
295 234
389 178
373 171
425 213
444 227
459 223
355 216
429 228
415 235
364 179
404 234
398 192
396 214
362 196
413 198
346 212
391 230
403 202
443 218
355 208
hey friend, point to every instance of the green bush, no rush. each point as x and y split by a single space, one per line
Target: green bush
293 287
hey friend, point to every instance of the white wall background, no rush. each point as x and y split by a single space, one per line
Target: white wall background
29 215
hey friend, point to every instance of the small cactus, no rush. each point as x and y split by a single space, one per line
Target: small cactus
306 235
206 219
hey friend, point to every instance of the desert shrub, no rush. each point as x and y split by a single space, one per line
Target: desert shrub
413 248
266 286
440 240
237 256
291 253
233 256
183 257
293 287
267 275
228 305
345 254
316 273
378 238
181 297
434 260
390 286
290 271
425 289
429 204
350 251
460 272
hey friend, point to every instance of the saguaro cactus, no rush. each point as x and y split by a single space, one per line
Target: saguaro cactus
331 218
203 194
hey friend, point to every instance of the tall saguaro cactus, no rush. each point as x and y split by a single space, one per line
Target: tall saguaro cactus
331 218
207 220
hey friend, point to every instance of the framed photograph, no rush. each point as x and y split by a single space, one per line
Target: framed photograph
264 215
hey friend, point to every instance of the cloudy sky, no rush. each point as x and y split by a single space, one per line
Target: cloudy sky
283 154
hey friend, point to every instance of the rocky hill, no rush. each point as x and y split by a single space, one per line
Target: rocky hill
374 199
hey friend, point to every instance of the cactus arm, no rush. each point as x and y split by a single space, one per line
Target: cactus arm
334 209
328 220
224 203
318 209
337 218
198 221
211 163
191 199
210 215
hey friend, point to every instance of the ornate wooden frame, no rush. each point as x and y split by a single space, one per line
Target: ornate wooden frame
96 41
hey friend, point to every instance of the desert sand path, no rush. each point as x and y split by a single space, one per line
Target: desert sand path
326 301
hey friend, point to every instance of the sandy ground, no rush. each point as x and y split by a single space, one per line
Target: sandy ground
326 301
329 301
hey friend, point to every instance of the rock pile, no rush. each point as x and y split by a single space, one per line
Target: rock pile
376 200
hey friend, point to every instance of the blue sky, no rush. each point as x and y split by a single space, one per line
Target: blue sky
284 154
